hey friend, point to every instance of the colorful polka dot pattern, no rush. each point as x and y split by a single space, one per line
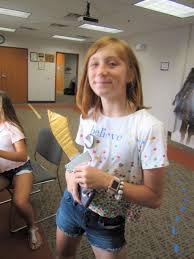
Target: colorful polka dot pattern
123 153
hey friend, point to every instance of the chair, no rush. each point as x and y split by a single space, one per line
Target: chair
48 148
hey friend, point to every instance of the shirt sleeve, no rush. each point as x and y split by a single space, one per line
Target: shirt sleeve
15 133
153 148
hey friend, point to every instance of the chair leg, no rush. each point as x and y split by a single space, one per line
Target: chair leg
12 216
17 229
6 201
37 221
12 211
10 193
47 217
60 187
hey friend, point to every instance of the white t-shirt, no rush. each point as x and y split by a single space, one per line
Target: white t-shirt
123 146
9 134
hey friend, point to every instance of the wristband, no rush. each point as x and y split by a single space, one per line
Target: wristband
116 187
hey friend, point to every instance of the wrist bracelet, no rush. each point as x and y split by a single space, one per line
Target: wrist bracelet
116 188
113 187
119 194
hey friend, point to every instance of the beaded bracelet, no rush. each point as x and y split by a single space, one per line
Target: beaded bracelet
119 194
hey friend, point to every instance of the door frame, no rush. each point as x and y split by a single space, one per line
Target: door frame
77 67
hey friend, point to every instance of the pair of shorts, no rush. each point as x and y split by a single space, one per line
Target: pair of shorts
75 220
23 169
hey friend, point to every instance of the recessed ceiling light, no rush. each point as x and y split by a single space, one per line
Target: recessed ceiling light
67 38
7 29
14 13
167 7
99 28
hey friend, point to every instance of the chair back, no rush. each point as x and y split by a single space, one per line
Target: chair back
48 147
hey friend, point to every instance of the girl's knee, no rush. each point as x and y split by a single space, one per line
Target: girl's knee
20 202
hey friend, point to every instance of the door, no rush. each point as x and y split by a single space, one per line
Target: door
60 73
14 73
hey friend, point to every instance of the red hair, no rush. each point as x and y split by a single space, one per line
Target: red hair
87 99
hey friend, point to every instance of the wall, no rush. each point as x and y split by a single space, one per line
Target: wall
160 87
175 45
41 83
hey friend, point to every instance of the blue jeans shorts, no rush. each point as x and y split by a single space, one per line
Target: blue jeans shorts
75 220
25 168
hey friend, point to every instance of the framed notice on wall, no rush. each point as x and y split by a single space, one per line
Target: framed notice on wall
41 65
49 58
164 66
33 56
41 57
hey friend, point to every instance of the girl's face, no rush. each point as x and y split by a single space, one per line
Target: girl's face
108 73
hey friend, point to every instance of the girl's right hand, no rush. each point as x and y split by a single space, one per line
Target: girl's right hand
72 186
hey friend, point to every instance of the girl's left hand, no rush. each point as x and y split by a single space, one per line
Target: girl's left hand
91 177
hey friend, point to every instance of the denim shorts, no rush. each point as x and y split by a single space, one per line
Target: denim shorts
25 168
75 220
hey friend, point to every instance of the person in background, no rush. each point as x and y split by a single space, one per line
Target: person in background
15 167
127 149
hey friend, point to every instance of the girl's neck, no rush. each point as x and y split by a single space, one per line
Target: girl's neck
117 109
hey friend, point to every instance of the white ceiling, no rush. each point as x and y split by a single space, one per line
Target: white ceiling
121 14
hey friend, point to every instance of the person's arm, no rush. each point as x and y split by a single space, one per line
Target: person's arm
20 153
148 194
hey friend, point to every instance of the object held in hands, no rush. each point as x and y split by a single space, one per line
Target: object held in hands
79 159
86 195
60 129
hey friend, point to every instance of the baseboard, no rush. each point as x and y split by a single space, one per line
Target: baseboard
41 101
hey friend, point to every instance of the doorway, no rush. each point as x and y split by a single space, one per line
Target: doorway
66 77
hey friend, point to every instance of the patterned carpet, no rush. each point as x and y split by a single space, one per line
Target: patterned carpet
166 232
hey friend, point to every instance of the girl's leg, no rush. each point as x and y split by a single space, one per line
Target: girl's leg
103 254
66 246
22 190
